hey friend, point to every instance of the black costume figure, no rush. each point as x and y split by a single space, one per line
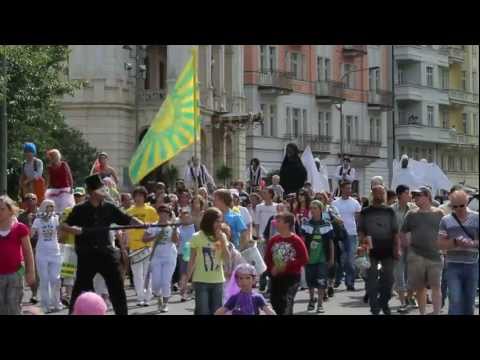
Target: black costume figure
292 173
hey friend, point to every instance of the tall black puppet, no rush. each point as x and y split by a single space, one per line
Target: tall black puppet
292 173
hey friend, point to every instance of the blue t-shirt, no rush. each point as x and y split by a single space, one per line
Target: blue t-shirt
236 224
185 234
246 303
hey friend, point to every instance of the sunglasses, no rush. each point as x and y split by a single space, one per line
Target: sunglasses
458 206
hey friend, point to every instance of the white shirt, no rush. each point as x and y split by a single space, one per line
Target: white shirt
263 214
47 243
165 249
247 218
347 210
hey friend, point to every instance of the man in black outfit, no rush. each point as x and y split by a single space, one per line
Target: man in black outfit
378 229
94 248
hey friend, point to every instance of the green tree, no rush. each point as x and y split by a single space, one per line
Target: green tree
224 173
36 81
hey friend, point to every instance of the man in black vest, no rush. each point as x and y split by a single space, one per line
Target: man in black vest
344 172
94 248
197 173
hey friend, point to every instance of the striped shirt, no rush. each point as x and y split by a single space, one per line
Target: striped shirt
450 228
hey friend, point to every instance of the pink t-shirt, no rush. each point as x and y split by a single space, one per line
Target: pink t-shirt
11 255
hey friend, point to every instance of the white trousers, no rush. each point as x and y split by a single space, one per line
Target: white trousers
49 275
162 271
139 271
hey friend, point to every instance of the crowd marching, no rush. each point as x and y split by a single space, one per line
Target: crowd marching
230 249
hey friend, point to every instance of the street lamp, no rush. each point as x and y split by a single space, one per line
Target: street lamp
339 105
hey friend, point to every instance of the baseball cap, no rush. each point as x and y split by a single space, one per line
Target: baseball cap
422 190
79 191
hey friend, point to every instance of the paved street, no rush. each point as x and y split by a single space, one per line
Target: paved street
343 303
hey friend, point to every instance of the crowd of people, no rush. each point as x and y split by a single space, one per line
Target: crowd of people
230 249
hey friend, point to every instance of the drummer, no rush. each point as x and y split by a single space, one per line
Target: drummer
69 239
139 252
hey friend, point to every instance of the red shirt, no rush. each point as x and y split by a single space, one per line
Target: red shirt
290 251
60 176
11 255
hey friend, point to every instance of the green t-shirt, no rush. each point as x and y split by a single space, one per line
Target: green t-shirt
208 264
316 235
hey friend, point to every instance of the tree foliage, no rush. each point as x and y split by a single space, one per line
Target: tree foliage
36 82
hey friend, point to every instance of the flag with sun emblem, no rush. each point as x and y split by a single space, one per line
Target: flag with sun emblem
173 128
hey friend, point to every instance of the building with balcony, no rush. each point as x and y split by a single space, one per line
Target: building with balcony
436 107
127 84
301 106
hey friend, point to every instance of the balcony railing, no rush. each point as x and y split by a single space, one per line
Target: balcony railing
280 80
456 53
318 143
329 89
462 97
406 118
380 98
354 50
362 148
152 97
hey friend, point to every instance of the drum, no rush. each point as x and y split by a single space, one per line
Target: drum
69 261
139 255
253 257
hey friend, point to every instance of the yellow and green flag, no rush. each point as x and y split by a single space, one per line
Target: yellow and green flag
174 127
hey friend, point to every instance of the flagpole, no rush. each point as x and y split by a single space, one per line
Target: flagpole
195 82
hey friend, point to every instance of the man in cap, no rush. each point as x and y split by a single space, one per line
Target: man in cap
89 222
424 261
31 178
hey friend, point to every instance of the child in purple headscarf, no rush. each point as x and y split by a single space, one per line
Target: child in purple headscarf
242 300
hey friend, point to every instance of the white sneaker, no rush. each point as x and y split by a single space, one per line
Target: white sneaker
164 308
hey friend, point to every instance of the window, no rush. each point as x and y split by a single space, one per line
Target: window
379 131
464 80
357 129
401 76
296 65
377 79
451 163
272 58
402 148
475 124
273 120
475 82
328 116
430 76
372 131
430 119
417 154
349 75
424 153
328 70
348 129
268 58
465 124
430 155
471 164
320 124
444 78
296 122
371 76
444 115
288 131
320 69
444 162
305 129
262 126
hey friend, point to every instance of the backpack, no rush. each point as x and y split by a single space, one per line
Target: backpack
341 233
